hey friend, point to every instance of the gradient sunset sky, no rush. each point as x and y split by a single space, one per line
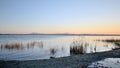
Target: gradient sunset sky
60 16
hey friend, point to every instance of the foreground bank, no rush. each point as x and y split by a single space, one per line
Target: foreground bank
75 61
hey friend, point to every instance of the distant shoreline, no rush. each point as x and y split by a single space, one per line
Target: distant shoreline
70 34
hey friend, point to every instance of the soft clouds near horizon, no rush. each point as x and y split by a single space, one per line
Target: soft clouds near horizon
60 16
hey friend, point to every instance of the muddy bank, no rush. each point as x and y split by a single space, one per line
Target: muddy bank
75 61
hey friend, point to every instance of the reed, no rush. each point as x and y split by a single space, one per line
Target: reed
78 47
13 46
76 50
111 40
19 45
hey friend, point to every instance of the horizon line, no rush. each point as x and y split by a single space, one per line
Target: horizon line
63 34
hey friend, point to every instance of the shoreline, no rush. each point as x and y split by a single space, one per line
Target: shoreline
75 61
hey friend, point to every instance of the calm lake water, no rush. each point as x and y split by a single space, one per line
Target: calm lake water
31 47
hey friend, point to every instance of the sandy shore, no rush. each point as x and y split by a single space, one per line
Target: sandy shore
75 61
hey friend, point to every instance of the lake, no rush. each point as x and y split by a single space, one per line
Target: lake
32 47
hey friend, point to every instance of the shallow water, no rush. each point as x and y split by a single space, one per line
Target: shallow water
106 63
31 47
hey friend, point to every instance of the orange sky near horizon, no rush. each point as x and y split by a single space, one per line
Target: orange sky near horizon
60 16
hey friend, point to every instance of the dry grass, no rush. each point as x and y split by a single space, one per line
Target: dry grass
19 45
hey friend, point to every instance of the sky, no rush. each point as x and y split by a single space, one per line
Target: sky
60 16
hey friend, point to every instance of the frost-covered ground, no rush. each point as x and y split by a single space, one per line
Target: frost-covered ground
108 63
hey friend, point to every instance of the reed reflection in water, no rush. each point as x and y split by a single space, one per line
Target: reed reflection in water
52 47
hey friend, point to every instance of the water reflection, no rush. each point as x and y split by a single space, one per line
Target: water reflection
76 46
54 48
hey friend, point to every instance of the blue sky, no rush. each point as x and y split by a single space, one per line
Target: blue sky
60 16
